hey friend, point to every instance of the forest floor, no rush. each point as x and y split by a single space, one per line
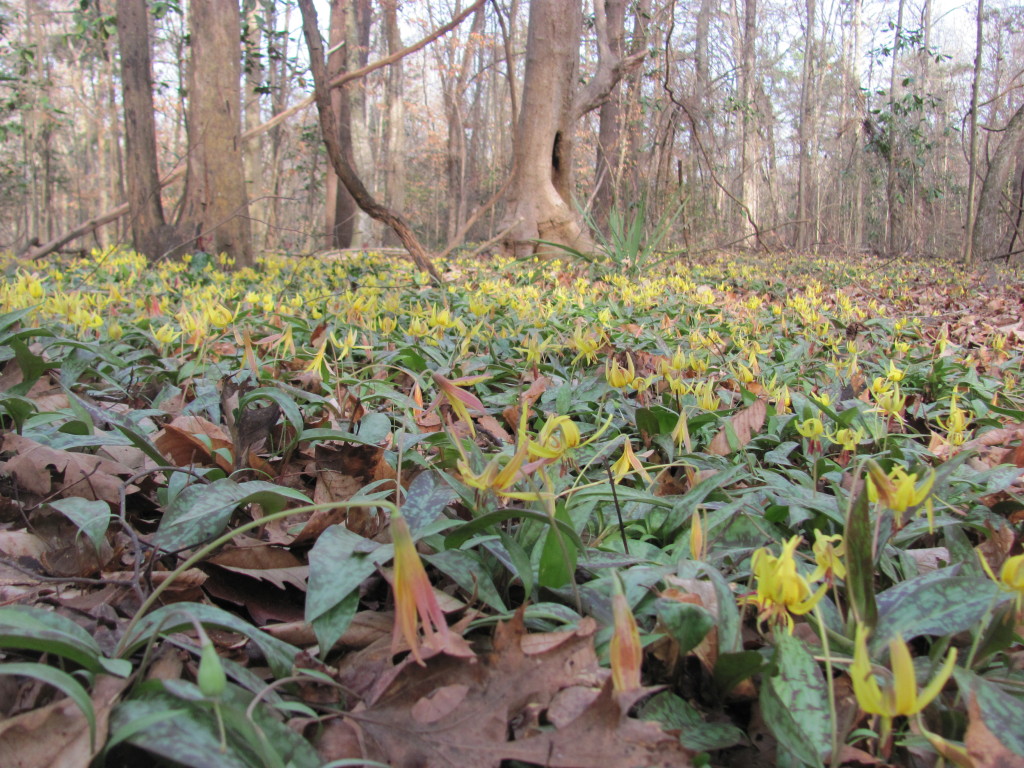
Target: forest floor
725 511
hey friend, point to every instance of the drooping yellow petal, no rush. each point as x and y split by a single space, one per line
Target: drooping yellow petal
903 693
937 683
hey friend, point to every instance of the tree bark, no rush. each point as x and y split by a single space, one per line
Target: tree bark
394 140
254 160
149 228
540 196
278 86
341 209
215 215
894 243
611 15
804 223
749 151
342 167
988 239
972 163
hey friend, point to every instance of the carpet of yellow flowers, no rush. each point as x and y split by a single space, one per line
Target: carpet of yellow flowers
734 510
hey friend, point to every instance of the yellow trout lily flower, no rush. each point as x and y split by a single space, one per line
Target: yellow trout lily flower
781 591
901 491
828 554
415 601
620 377
847 438
558 436
812 429
627 463
899 696
625 652
1011 578
500 479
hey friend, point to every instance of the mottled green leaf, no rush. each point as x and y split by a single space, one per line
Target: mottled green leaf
938 603
38 630
91 517
425 500
674 713
794 702
338 563
860 564
466 570
202 512
1002 713
687 623
178 616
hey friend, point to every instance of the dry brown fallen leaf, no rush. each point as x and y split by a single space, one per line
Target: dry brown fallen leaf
57 735
454 713
985 750
89 477
745 424
180 442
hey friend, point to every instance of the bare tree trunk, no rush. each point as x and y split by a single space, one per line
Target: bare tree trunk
215 215
804 215
147 213
972 163
988 239
341 165
540 198
749 160
894 243
612 14
394 150
341 209
254 161
857 146
539 202
456 158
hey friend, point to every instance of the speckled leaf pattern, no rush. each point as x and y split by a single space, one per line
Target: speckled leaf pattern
794 702
860 566
426 498
938 603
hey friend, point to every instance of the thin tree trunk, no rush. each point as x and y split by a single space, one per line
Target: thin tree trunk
894 243
749 153
972 164
342 167
340 208
147 212
394 150
612 14
254 161
804 224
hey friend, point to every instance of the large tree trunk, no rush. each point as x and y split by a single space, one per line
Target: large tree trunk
215 215
540 197
989 241
149 229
